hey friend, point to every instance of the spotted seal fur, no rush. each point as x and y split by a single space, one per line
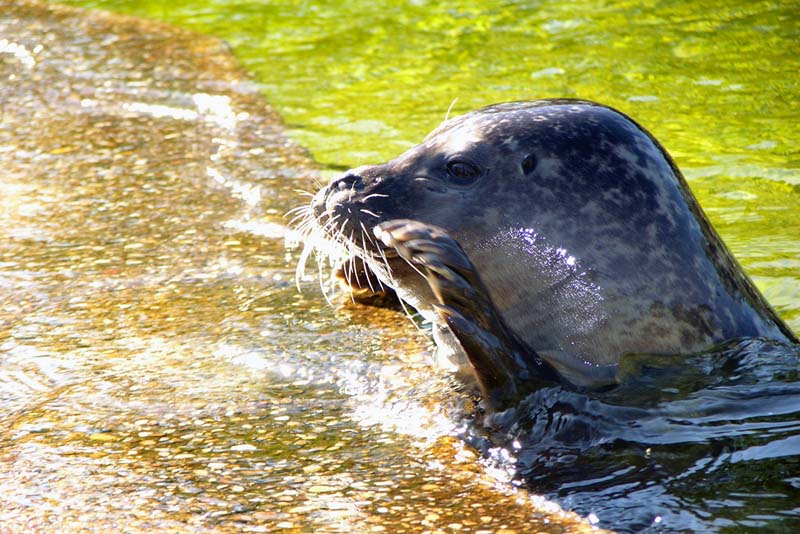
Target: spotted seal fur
545 240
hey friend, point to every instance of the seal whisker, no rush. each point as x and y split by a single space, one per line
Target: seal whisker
364 265
384 270
416 269
300 221
348 272
303 192
300 269
353 250
387 271
364 261
305 230
316 241
322 285
366 237
374 195
370 213
300 216
452 104
297 213
302 208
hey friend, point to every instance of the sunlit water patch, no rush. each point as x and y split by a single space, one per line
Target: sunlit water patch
699 444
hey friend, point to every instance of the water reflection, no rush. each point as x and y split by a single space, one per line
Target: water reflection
698 444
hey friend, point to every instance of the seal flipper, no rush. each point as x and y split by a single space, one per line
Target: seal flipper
505 369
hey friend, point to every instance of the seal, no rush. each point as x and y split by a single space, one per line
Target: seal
545 241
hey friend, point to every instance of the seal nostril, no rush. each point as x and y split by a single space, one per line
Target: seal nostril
348 181
529 163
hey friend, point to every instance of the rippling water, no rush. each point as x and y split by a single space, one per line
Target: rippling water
159 370
702 445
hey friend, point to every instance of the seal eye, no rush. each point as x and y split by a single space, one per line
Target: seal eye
462 172
529 163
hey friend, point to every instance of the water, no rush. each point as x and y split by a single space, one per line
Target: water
160 371
706 444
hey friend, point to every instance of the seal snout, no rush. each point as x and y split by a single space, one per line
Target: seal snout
343 189
339 189
350 180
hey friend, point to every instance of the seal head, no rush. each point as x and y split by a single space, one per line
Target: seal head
546 240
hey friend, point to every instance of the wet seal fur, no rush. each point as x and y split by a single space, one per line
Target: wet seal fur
545 240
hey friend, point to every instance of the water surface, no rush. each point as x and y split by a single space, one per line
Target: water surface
160 370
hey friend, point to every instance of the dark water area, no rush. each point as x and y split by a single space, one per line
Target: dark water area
159 370
710 443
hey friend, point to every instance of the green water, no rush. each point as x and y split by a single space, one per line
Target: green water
716 81
360 80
